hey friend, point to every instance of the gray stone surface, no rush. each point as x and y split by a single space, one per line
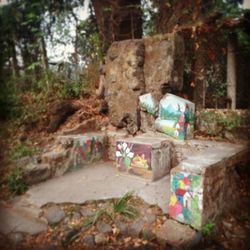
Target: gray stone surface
100 239
122 227
136 228
177 235
103 227
124 82
14 219
86 211
97 182
89 241
54 214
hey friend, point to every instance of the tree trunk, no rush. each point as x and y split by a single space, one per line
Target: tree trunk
200 88
231 71
118 20
15 70
45 63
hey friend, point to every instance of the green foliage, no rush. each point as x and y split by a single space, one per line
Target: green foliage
70 89
16 183
93 218
122 206
208 228
217 122
21 150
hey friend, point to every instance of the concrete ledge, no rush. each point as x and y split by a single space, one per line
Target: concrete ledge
198 183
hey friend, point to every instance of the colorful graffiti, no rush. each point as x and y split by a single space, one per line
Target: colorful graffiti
148 103
90 150
134 158
176 117
186 198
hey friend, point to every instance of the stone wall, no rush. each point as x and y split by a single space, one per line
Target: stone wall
135 67
229 124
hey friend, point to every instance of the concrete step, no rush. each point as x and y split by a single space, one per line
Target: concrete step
74 151
148 157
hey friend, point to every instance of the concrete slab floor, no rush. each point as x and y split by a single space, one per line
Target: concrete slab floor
98 182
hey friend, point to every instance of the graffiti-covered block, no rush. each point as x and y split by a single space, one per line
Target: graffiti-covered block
148 103
186 200
85 148
176 117
148 157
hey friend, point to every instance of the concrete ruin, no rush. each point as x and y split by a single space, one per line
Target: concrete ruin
135 67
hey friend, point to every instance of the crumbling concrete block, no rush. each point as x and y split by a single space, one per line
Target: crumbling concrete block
199 183
176 117
124 83
112 137
148 157
164 64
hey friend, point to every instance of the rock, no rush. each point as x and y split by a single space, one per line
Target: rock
136 228
89 241
164 63
59 112
54 214
123 228
177 235
100 239
86 211
76 216
16 237
124 83
35 173
149 218
148 235
103 227
69 235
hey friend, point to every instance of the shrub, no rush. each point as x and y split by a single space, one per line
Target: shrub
16 183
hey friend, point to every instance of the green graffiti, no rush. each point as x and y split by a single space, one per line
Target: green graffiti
196 181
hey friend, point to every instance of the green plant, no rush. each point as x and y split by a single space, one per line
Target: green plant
16 183
208 228
93 218
21 150
122 206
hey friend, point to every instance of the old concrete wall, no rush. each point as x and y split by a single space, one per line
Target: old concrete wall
164 64
134 67
125 83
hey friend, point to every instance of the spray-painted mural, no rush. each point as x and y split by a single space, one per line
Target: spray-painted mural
176 117
186 198
134 158
148 103
90 149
